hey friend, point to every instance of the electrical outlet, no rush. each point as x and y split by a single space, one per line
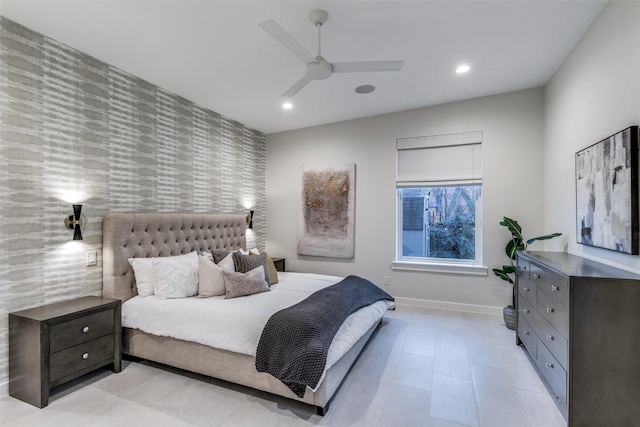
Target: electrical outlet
386 281
91 258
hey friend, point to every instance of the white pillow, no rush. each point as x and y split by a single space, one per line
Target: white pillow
143 272
227 263
176 276
211 282
254 251
257 272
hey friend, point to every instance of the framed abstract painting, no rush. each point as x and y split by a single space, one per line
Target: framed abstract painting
607 193
326 217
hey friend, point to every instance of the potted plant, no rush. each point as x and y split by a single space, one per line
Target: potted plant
517 243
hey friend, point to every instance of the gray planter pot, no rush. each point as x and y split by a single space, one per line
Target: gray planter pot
509 316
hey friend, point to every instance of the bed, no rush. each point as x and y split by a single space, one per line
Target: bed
144 235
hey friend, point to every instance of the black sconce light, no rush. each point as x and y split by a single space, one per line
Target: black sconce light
74 222
250 220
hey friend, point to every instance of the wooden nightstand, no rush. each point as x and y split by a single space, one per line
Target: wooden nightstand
279 263
56 343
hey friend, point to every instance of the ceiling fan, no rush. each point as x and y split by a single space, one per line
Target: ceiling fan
319 68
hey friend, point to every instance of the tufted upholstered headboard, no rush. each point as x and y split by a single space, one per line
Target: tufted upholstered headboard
129 235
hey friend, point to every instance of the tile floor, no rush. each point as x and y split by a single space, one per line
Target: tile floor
424 367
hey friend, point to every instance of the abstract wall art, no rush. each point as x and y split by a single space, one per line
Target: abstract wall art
607 193
326 217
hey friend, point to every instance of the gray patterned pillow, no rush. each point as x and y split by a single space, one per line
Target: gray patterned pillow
246 263
241 284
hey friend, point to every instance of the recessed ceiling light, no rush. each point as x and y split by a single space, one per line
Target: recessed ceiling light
365 89
462 69
287 105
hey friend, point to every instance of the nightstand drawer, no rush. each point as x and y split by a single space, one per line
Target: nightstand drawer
73 332
74 359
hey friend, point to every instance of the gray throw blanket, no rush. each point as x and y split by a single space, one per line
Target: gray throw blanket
295 341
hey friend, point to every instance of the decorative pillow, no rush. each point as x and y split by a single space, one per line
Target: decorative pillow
176 276
227 263
219 255
210 280
245 263
254 251
240 284
143 272
207 255
273 273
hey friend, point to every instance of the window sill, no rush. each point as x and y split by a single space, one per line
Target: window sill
471 270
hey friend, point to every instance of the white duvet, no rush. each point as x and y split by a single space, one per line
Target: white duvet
236 324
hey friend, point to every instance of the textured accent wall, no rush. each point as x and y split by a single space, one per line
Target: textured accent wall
75 129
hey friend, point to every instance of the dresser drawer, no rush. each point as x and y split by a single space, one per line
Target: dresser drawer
554 342
555 313
527 336
528 312
537 276
528 291
74 359
558 288
73 332
553 372
522 270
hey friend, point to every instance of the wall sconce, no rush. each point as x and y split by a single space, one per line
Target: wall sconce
74 222
250 220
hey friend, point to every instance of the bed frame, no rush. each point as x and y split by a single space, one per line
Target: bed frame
127 235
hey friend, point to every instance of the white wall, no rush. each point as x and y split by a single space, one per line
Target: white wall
595 94
512 126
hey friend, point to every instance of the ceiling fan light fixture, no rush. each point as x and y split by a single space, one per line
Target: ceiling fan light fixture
364 89
462 69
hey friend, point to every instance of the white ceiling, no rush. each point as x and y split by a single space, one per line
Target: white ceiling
214 53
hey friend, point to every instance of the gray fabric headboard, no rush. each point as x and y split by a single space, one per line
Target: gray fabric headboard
131 235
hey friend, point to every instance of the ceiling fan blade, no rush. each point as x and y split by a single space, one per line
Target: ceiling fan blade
278 33
357 67
298 85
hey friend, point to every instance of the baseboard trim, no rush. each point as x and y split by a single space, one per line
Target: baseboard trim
445 305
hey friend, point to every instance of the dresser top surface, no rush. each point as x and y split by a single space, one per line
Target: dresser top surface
572 265
65 308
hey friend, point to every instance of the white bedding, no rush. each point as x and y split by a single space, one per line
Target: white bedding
236 324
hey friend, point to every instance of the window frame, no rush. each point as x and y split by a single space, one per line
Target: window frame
439 265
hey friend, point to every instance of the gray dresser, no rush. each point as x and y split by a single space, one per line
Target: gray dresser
579 320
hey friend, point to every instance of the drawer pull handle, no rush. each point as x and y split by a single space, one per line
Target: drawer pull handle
85 356
523 267
536 276
526 289
555 288
549 337
525 311
85 329
526 332
550 365
550 310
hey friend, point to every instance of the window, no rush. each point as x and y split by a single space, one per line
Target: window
439 186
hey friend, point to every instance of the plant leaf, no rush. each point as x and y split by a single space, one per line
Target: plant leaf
512 246
509 268
545 237
501 274
514 228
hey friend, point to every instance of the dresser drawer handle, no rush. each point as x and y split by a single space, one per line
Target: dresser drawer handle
549 337
85 329
550 365
536 276
525 289
526 332
555 288
550 310
85 356
523 267
525 310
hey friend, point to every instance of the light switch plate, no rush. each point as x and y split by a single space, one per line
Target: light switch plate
91 258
